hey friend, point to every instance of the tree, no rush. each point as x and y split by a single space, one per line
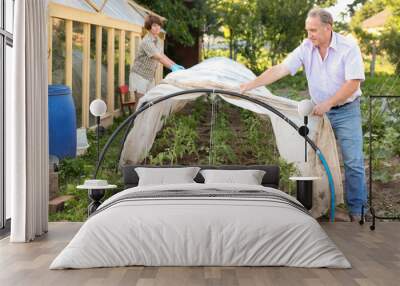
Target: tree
230 18
253 26
391 36
252 37
352 7
284 29
181 19
388 39
284 23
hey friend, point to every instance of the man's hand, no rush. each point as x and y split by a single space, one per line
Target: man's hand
245 87
321 108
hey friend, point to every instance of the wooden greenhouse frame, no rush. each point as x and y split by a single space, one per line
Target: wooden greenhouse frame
113 26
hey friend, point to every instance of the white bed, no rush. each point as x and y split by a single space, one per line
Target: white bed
261 227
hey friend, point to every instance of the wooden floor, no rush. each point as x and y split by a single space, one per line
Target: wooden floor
374 255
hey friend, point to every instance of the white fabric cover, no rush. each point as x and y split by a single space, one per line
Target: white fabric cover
165 176
247 177
223 73
200 231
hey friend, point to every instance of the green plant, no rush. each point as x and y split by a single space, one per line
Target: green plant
71 169
286 171
385 123
260 137
177 140
73 172
261 144
222 135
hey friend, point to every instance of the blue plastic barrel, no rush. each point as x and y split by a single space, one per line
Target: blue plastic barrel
62 122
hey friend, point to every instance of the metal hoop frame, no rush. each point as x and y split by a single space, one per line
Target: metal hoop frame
130 120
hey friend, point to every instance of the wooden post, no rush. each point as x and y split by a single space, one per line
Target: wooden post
110 69
160 69
121 58
373 60
99 39
86 75
68 53
132 47
49 50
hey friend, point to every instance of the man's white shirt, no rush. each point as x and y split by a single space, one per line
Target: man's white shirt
342 62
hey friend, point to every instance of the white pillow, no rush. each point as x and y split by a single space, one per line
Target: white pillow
166 176
248 177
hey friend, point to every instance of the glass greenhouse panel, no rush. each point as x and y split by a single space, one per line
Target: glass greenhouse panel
104 65
9 15
77 59
116 69
58 59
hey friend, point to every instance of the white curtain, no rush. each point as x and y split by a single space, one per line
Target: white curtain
27 123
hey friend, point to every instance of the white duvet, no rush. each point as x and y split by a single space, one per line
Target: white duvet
188 231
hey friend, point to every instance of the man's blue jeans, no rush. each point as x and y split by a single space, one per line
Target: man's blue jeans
346 124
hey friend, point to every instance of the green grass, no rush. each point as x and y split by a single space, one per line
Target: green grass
74 172
382 65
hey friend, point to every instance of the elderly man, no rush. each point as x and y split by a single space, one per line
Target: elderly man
334 69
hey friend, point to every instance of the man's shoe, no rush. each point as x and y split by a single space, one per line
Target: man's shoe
357 218
368 217
341 215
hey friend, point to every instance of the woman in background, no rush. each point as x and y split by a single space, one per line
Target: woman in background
150 53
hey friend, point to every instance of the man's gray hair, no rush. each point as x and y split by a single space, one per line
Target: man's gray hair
322 14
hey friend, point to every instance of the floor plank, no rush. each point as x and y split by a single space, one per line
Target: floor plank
374 255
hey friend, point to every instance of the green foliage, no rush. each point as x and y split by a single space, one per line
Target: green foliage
352 7
240 22
75 209
222 136
215 53
260 137
381 84
58 51
178 139
391 44
253 26
367 10
238 136
182 17
73 172
73 169
385 123
287 170
261 145
387 40
295 83
283 22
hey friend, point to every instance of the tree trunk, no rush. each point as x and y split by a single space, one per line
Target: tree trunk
373 60
230 44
